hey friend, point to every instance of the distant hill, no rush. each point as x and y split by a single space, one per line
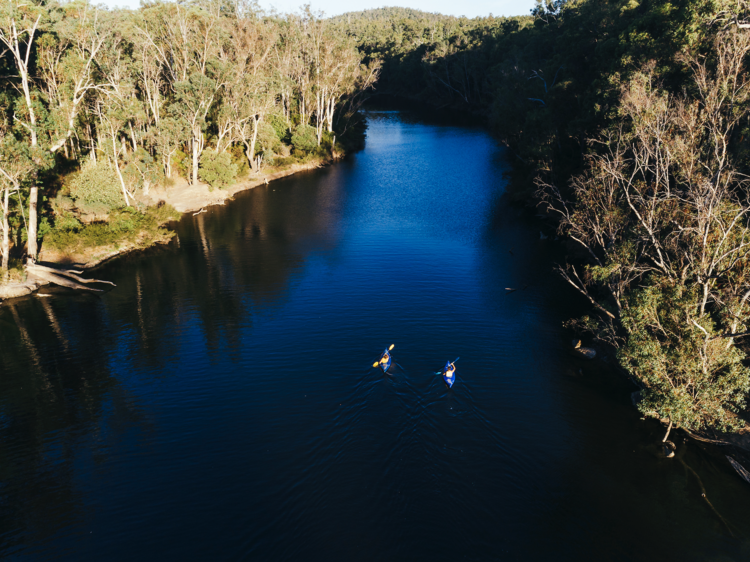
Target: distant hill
391 13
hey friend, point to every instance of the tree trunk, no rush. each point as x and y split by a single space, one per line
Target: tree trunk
195 160
250 152
319 116
23 69
117 167
667 434
31 232
331 107
6 231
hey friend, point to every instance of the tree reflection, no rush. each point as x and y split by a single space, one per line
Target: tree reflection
56 394
74 365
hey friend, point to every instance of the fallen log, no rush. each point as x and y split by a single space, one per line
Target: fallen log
71 273
14 290
59 279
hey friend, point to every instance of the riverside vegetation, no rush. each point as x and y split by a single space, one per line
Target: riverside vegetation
630 122
99 108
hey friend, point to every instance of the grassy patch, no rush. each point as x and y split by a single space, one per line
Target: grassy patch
126 226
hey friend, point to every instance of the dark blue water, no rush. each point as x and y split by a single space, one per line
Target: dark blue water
220 404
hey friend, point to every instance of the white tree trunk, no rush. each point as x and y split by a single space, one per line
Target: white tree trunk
250 147
32 230
6 231
196 145
117 166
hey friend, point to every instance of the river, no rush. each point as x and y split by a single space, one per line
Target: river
220 404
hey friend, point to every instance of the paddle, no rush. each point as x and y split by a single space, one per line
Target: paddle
441 372
378 362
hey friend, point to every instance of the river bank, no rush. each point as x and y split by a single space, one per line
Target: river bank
181 198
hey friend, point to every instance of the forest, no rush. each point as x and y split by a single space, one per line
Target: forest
98 107
627 121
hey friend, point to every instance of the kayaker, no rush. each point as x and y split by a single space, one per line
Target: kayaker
385 358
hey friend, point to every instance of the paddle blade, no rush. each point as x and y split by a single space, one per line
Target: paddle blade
375 364
392 346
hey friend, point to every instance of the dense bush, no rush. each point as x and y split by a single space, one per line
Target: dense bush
304 139
239 159
96 189
216 168
284 161
141 170
67 223
268 139
277 121
181 163
125 226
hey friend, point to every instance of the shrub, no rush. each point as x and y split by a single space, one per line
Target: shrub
240 160
284 161
277 121
62 202
216 169
268 139
67 223
304 139
141 170
96 189
125 226
181 163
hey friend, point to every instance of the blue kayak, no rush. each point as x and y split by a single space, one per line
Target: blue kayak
449 374
387 365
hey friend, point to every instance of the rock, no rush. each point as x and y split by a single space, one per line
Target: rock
585 352
668 449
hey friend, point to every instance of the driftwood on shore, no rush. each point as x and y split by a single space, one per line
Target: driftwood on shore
64 277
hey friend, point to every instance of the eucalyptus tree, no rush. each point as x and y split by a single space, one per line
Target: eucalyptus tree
17 167
185 40
252 88
114 109
20 23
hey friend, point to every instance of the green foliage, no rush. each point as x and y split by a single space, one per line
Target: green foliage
141 169
268 139
96 189
125 226
304 139
277 121
240 160
284 161
216 168
181 163
691 379
67 223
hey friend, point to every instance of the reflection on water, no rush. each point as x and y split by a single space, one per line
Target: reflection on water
219 403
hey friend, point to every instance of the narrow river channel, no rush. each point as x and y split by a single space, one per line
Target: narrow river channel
220 404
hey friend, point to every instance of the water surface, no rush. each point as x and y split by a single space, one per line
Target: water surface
219 403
